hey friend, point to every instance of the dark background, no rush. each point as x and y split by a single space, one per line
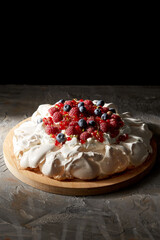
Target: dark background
44 72
105 47
124 55
39 68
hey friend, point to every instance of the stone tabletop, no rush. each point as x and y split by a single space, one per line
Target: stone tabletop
27 213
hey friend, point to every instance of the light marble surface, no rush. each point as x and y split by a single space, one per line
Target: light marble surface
27 213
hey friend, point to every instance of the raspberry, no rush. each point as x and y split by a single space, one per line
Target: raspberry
90 119
114 133
70 102
52 110
113 124
57 117
78 129
89 109
98 119
84 136
51 130
74 102
104 127
88 102
100 137
120 123
105 109
73 123
116 117
74 112
70 130
122 137
90 129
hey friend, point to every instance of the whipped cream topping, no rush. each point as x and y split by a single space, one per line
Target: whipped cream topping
34 148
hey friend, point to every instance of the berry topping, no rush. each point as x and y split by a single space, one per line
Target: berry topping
59 105
80 104
73 123
82 109
82 119
88 102
105 109
60 137
84 136
122 137
112 110
70 102
52 110
61 101
98 135
92 123
63 124
67 108
90 109
74 112
57 117
120 123
78 130
100 103
104 116
114 133
104 127
71 130
109 113
51 130
48 121
97 112
115 116
90 129
90 118
113 124
82 123
39 120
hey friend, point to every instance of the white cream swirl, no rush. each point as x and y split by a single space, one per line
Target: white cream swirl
34 148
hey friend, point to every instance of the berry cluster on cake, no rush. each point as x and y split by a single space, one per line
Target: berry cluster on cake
82 119
81 139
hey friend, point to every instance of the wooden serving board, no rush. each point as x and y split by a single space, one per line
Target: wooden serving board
75 187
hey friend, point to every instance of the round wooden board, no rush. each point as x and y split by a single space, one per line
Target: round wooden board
75 187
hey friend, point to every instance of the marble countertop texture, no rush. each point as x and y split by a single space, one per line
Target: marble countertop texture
28 213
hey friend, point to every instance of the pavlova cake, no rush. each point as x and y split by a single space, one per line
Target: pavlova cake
81 139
